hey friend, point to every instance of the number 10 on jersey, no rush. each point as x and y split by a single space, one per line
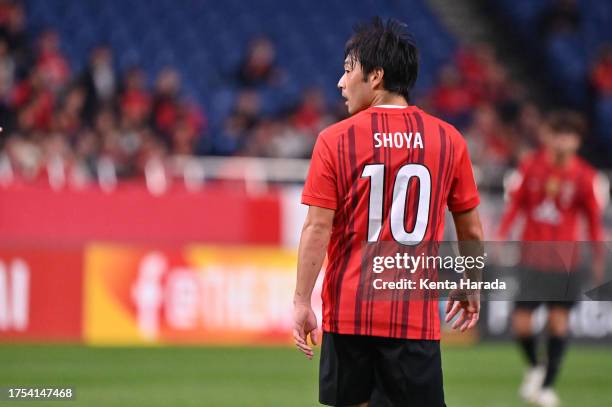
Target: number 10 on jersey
376 173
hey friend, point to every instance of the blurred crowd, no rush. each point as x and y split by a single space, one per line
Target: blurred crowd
565 24
475 93
290 129
566 45
50 113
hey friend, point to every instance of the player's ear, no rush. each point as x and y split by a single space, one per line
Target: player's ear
376 77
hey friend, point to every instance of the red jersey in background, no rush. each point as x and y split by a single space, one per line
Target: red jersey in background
551 198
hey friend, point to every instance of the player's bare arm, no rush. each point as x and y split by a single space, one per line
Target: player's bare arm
311 253
470 236
593 214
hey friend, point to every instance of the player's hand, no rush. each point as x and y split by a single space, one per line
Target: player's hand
304 325
469 302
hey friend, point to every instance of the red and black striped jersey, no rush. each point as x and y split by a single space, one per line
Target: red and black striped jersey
388 173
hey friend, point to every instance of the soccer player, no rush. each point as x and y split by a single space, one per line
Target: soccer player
385 174
555 187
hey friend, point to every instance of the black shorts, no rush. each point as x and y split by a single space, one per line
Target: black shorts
550 287
387 372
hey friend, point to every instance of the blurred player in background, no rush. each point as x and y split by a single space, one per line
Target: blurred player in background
385 174
555 187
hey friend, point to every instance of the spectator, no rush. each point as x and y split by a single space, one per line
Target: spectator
108 136
34 102
239 124
68 120
601 74
258 67
99 81
50 61
248 108
86 153
310 116
189 127
135 101
13 31
124 147
152 149
105 122
232 137
451 98
260 138
484 77
166 101
290 141
25 156
474 65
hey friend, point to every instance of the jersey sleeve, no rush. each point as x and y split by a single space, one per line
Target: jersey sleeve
592 207
320 186
463 193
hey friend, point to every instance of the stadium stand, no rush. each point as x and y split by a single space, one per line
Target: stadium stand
573 35
93 86
206 42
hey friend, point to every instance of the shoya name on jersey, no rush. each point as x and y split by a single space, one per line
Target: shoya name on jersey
398 140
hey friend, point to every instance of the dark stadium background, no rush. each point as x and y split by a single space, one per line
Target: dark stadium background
151 162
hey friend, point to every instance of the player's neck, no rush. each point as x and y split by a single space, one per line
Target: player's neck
560 160
387 98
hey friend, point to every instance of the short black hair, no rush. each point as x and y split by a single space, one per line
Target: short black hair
567 121
387 45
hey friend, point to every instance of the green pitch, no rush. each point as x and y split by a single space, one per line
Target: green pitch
480 376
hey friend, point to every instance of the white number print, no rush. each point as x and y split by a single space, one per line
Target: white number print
376 173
